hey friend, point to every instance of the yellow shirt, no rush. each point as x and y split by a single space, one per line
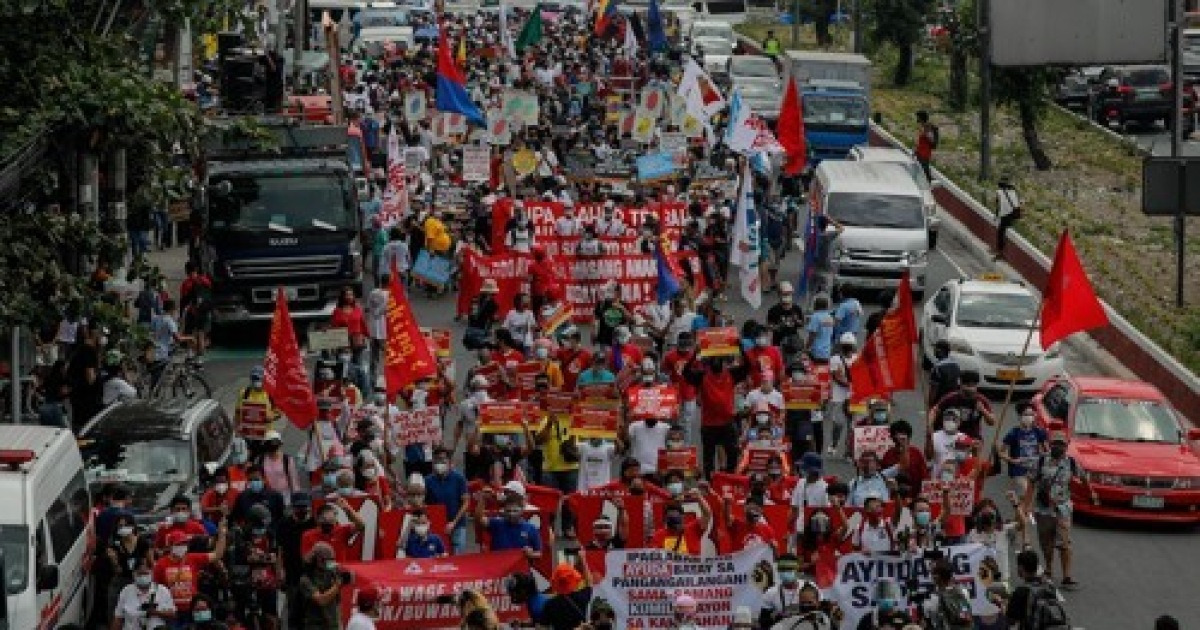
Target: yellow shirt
553 372
552 460
437 237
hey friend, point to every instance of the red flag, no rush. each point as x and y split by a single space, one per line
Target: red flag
790 131
886 363
1069 303
407 357
284 377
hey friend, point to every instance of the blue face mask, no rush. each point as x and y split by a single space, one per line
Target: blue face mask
922 518
201 616
345 491
787 577
259 531
331 480
887 605
255 485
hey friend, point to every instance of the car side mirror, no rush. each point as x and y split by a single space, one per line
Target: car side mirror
1193 434
47 577
939 318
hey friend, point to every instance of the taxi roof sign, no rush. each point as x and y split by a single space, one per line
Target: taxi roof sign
992 276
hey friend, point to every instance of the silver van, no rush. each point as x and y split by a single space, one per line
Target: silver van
886 230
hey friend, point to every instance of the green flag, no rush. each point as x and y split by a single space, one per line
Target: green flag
531 33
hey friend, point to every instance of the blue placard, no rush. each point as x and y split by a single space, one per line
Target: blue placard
655 166
432 269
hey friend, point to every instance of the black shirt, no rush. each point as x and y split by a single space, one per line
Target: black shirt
785 321
85 396
288 534
566 612
943 379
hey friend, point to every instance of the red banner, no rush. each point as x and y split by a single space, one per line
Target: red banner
382 528
610 501
671 215
412 591
407 358
886 363
284 377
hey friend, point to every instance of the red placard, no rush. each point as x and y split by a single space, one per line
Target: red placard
657 401
558 402
599 395
491 371
384 527
736 487
681 459
719 342
778 517
441 340
802 394
754 458
252 420
504 417
526 375
419 426
588 421
962 495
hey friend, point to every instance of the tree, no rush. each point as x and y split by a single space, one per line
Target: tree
900 23
962 43
1025 88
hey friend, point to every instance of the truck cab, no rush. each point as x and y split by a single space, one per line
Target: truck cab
285 218
835 91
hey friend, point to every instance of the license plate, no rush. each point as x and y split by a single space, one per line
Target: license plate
1010 375
1147 94
291 293
1148 502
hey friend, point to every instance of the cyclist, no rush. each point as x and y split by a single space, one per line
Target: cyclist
116 387
164 334
254 412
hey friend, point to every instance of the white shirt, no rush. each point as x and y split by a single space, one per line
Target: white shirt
645 443
837 392
116 389
377 314
873 539
521 324
774 399
129 606
679 324
943 448
596 464
359 621
1007 201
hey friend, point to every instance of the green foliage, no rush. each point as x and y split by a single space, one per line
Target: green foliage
900 23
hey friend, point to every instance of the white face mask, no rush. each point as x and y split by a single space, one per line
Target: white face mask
441 468
124 531
542 353
221 488
179 551
370 474
675 487
950 426
1026 421
421 530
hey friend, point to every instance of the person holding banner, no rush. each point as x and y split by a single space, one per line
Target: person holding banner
792 598
448 487
678 535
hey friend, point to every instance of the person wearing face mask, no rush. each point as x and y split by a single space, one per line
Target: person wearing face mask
204 614
763 358
518 233
143 604
609 534
289 532
568 224
571 358
329 531
366 604
349 315
684 611
716 382
125 552
610 313
991 530
255 565
257 492
520 321
942 441
751 530
543 351
181 520
1049 495
785 318
673 365
811 491
646 437
219 498
416 541
320 589
875 532
510 530
890 611
278 468
680 535
255 412
624 351
973 407
925 531
870 481
597 457
355 380
609 225
345 480
448 488
598 373
784 599
370 478
1023 445
179 571
779 484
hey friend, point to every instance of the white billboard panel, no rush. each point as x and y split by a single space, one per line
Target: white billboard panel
1078 32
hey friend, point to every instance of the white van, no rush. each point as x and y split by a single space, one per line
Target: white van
45 528
886 228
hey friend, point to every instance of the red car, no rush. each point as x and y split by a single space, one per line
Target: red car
1139 454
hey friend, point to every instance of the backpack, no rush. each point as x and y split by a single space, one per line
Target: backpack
1045 609
953 610
935 136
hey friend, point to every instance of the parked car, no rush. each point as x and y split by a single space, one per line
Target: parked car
1138 453
754 69
762 98
1139 94
158 449
712 44
1074 92
986 323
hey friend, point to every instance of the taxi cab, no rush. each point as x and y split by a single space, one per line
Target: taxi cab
986 322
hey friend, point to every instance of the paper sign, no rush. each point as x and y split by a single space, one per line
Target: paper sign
802 394
719 342
252 420
504 417
414 106
476 163
499 128
681 459
627 122
524 162
691 127
659 401
329 339
526 376
557 402
754 458
589 422
420 426
962 494
872 439
652 102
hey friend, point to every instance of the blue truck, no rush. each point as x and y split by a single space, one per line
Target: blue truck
281 213
835 89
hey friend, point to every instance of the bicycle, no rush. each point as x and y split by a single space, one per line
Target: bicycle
182 375
29 396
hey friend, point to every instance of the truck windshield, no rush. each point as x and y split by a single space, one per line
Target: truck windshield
877 211
284 203
14 551
825 112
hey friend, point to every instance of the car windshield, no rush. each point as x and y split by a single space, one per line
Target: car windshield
284 203
14 545
759 91
996 310
376 18
753 67
149 461
712 30
1148 77
834 112
1126 420
881 211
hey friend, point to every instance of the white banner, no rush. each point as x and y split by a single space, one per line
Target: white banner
476 163
641 585
854 588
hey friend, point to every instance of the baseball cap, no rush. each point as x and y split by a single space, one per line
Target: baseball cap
515 487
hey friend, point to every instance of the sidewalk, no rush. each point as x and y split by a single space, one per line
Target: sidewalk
170 262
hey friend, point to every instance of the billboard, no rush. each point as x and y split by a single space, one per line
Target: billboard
1078 32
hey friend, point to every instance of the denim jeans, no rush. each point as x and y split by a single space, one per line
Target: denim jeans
458 537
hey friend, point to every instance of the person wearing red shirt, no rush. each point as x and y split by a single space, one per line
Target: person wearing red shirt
763 358
573 359
673 365
927 140
779 485
179 570
716 382
754 527
909 459
181 522
218 500
349 315
329 531
195 301
678 536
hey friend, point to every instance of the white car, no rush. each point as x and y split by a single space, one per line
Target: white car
890 155
986 322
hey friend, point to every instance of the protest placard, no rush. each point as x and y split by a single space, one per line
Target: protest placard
656 401
414 106
599 395
476 163
719 342
804 393
558 403
655 166
672 142
872 439
504 417
419 426
524 162
643 126
519 105
499 129
961 491
328 339
432 269
681 459
589 421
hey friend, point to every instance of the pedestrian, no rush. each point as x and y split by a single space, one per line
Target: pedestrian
1023 444
771 45
366 604
1008 211
928 137
143 605
320 589
1049 494
840 391
943 374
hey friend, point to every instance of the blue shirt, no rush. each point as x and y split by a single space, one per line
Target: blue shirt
431 546
506 535
863 488
820 324
592 377
447 491
847 318
1024 444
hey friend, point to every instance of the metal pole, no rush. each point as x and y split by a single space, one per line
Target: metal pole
300 36
1177 124
15 359
858 31
335 67
795 23
985 91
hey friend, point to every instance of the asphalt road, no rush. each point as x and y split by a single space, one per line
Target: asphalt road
1129 574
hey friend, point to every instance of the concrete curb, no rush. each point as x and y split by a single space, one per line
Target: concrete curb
1116 137
1139 354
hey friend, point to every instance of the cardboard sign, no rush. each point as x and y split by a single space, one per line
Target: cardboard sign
499 128
558 403
588 421
599 395
496 387
802 394
476 163
962 494
719 342
659 401
419 426
504 417
441 340
872 439
328 339
681 459
524 162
